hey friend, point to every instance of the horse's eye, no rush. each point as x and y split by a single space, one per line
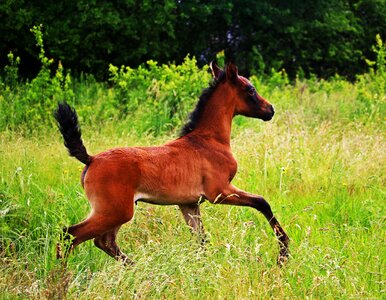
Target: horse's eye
251 91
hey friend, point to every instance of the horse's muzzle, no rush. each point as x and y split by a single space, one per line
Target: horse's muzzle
269 114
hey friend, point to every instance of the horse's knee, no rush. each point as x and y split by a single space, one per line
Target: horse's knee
262 205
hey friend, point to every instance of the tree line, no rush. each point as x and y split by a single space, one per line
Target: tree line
303 37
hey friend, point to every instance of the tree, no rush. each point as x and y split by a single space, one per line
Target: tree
321 37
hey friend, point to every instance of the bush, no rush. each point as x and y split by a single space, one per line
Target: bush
155 99
31 104
158 97
372 85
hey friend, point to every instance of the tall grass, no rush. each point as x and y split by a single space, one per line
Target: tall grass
324 179
319 162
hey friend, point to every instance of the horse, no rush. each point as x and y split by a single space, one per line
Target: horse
197 166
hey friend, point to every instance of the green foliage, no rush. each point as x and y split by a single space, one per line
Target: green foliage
151 99
46 62
372 85
160 96
87 35
11 72
156 99
30 105
320 37
338 99
380 50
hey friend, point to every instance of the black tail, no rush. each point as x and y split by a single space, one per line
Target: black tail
69 127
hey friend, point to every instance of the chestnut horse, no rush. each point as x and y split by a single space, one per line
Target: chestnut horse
197 166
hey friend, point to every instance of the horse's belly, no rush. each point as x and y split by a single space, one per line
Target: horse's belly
168 182
169 195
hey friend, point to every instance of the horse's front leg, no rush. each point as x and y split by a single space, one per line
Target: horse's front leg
235 196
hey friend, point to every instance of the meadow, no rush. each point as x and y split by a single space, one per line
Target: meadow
320 163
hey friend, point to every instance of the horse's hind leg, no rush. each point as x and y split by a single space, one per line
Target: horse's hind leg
107 243
71 237
192 216
94 226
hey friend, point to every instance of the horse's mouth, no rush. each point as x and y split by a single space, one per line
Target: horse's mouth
267 117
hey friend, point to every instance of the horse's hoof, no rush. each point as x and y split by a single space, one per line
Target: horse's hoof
127 262
282 259
59 252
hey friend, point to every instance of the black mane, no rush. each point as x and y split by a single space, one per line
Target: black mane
195 115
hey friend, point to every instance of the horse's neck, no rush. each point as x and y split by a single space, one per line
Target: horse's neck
216 120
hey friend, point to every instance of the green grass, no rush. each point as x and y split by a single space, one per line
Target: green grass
320 163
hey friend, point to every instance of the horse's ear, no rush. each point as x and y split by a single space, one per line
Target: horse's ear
232 72
216 71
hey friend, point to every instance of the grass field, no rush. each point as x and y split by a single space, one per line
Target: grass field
320 163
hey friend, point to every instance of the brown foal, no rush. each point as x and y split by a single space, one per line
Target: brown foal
197 166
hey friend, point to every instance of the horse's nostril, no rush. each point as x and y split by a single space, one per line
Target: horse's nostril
272 110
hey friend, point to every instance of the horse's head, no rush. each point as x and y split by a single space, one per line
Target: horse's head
247 101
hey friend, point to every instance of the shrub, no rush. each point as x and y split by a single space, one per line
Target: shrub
158 97
30 105
372 85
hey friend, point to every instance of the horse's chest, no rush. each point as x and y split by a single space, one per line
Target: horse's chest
223 167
